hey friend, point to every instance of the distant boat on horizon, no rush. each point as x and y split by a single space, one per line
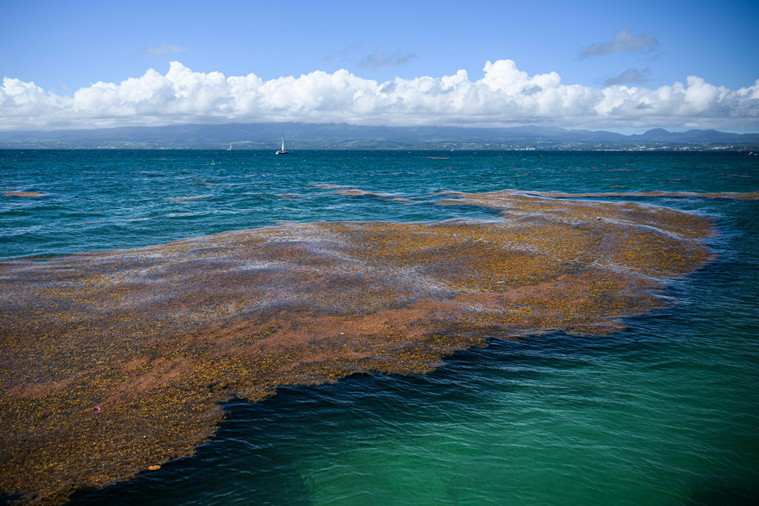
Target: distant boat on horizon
282 150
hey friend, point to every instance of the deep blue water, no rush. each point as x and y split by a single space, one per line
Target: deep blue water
665 412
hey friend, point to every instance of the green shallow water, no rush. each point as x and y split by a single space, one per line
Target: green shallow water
665 412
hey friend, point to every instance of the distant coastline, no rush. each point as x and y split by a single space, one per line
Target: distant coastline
303 136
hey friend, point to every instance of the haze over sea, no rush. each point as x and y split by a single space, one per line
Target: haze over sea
664 411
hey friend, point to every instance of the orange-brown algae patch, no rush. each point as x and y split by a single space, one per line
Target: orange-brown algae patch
23 194
709 195
112 362
189 198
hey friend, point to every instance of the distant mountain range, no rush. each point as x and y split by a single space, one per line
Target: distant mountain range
344 136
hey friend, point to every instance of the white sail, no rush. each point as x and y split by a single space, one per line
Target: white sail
282 151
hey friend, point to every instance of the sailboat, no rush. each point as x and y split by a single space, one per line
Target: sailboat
282 150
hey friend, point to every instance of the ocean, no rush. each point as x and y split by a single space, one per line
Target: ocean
660 409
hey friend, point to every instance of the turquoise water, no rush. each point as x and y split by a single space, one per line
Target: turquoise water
665 412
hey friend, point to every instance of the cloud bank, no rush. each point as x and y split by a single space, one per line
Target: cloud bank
504 96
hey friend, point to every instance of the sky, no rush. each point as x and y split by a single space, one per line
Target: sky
623 66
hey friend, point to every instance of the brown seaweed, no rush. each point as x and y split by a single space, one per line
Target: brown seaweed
112 362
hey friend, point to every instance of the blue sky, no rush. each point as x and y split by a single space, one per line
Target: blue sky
65 46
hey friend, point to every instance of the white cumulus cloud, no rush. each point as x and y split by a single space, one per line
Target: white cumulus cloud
504 96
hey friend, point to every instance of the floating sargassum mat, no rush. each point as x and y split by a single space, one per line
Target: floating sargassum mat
114 362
